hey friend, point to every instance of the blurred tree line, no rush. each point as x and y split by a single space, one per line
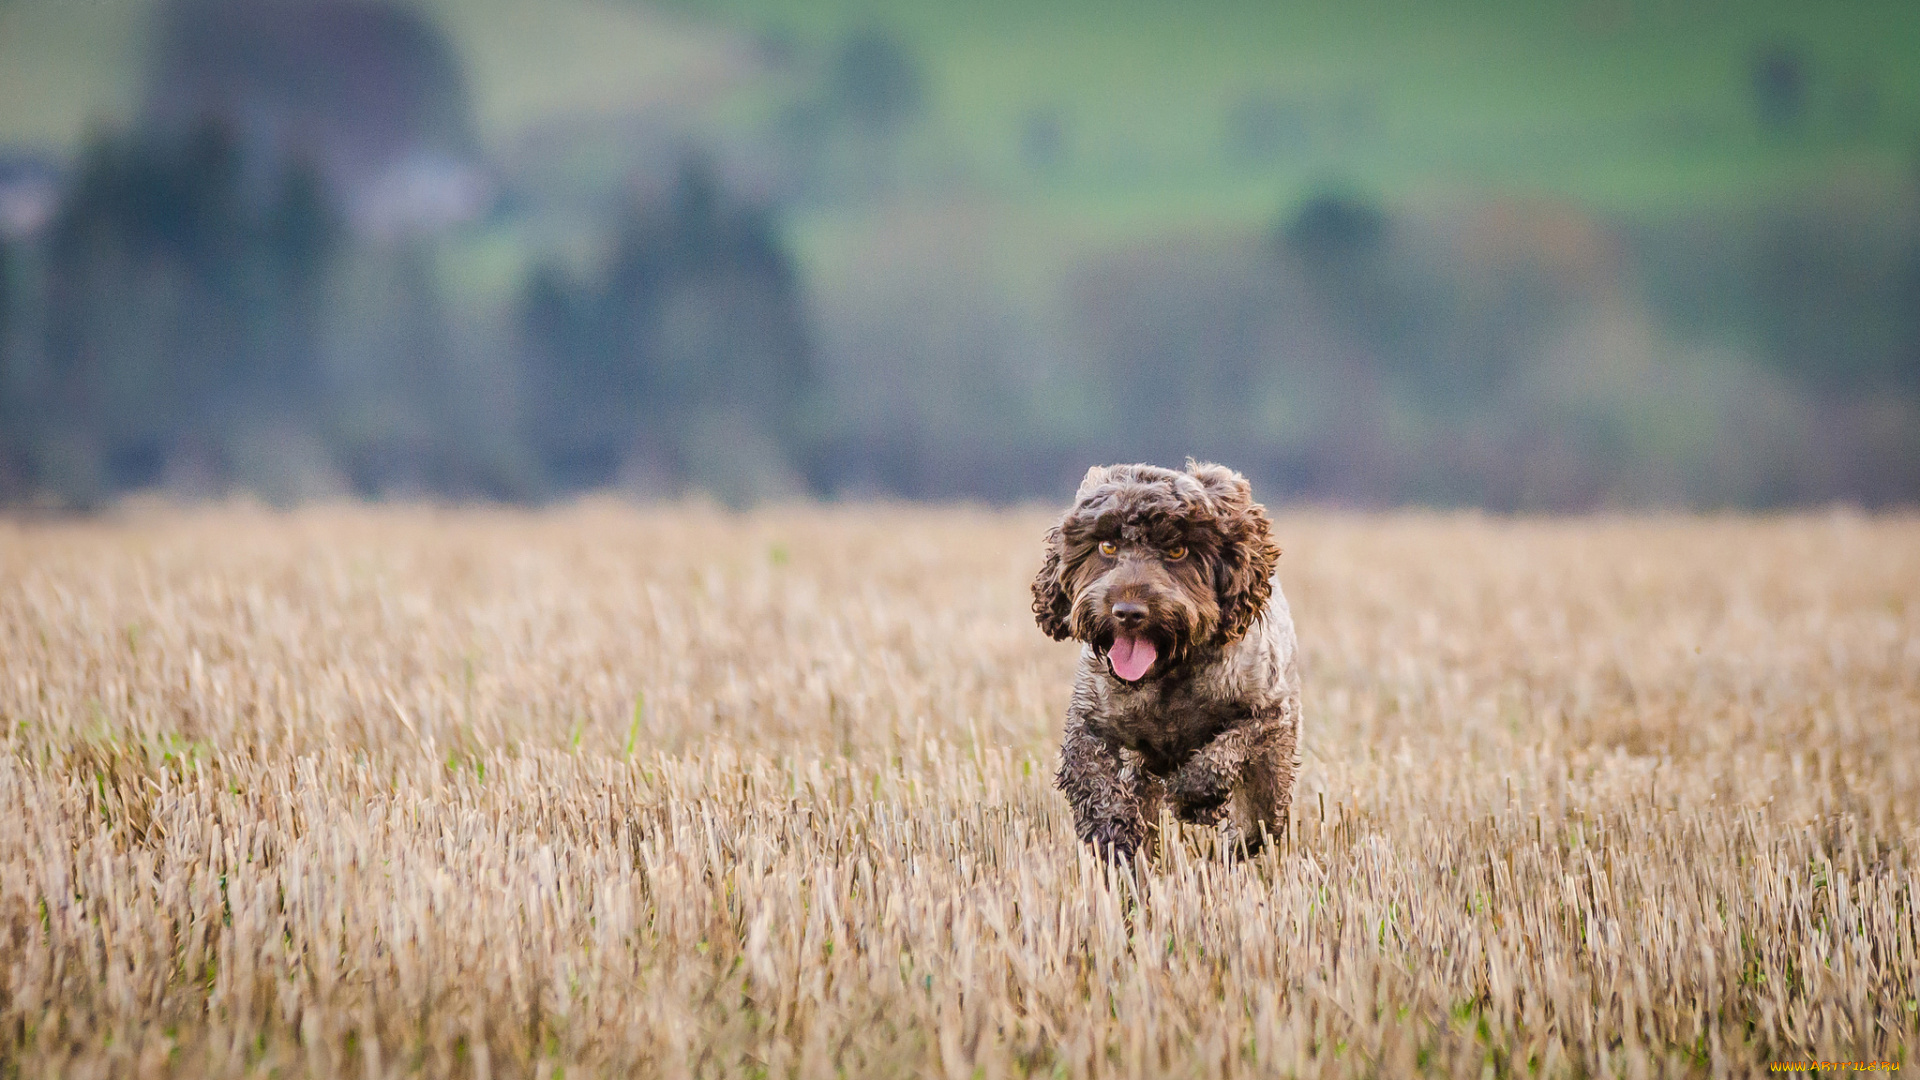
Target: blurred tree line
229 301
1528 355
686 356
184 298
197 321
178 306
251 292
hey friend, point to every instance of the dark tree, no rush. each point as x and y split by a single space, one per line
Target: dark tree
353 84
1909 305
6 314
14 407
178 304
876 81
1444 344
1832 308
587 392
1335 225
1043 139
1779 83
301 236
697 314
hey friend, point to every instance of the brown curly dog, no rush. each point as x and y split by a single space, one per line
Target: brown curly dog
1188 694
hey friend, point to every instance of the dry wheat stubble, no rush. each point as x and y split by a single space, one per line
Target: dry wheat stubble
609 791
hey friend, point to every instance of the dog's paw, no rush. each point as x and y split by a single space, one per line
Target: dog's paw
1116 841
1243 843
1199 795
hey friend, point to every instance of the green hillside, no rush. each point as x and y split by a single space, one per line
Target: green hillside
65 65
1615 104
1610 103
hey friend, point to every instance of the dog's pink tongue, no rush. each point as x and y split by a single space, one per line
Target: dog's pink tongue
1131 657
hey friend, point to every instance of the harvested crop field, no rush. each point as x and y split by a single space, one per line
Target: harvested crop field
610 791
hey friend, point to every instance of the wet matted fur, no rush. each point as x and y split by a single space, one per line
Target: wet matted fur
1168 577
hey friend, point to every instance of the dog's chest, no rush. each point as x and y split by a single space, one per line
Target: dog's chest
1165 725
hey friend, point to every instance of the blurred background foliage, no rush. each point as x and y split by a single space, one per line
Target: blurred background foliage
1484 252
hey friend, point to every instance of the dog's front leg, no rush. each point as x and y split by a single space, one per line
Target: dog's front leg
1253 759
1104 794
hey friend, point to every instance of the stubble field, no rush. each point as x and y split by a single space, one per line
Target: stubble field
605 791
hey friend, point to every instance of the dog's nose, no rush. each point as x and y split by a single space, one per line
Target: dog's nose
1129 615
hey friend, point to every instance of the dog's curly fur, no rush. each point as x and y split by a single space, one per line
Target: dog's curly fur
1210 730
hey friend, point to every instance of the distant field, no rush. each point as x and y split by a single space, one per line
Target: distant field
606 791
64 65
1615 104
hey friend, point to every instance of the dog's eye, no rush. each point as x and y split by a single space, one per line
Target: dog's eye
1109 548
1176 552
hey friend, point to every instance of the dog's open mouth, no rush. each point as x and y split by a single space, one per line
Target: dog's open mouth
1132 657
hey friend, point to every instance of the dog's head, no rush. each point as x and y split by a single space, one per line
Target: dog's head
1151 563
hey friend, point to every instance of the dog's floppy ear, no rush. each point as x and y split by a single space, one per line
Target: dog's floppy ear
1244 576
1052 607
